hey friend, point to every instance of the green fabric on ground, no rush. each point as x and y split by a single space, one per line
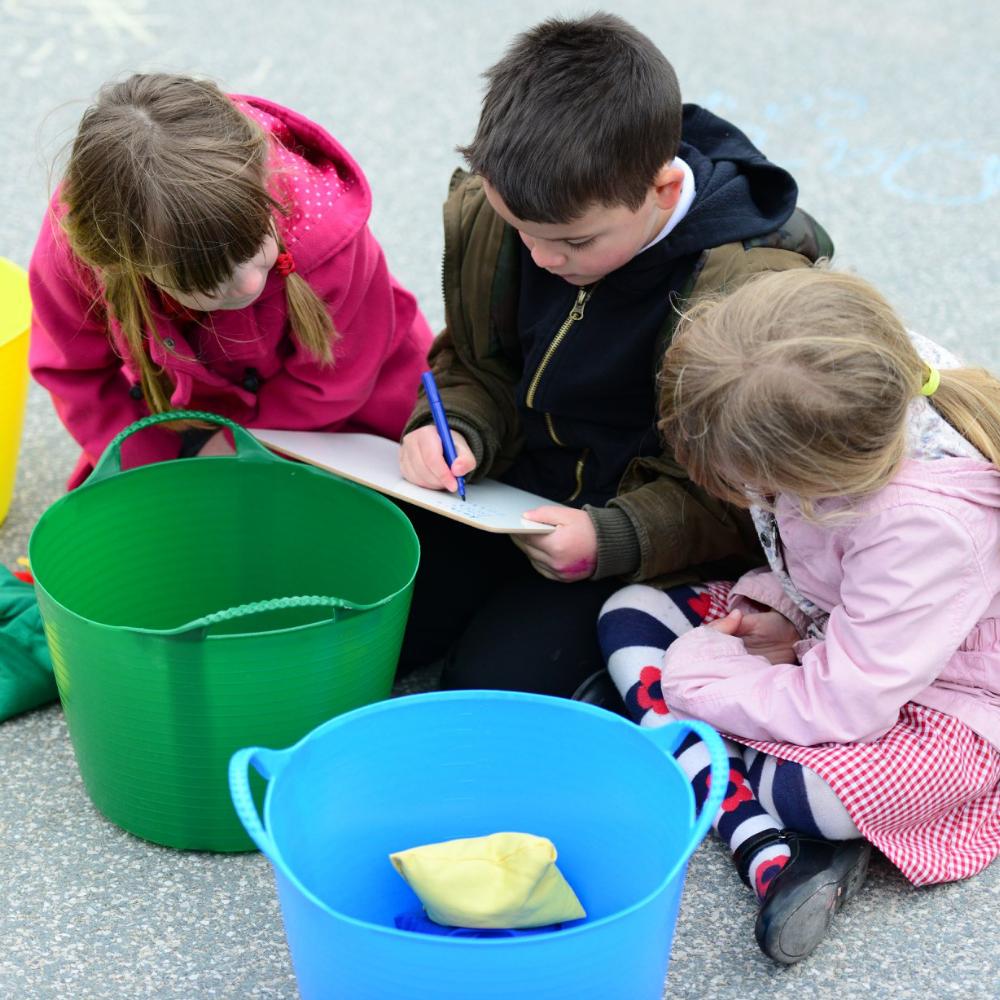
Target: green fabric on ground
26 679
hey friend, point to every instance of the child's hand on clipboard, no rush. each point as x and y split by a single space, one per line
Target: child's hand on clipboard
422 462
567 554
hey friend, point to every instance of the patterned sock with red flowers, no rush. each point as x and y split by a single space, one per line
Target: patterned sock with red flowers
741 814
635 627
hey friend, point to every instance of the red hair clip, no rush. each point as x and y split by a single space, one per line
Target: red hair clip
284 263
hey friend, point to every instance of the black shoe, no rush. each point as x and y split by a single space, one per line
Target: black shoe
599 689
799 905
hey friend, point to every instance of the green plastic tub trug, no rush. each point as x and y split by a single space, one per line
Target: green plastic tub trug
198 606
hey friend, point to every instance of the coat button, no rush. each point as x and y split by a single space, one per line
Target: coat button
135 391
251 380
168 342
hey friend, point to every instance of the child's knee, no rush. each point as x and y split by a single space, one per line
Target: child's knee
636 596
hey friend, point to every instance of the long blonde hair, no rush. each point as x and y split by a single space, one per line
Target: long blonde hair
799 382
167 176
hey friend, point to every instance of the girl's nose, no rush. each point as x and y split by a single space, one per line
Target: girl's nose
248 280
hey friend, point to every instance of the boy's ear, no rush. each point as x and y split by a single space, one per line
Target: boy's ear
667 186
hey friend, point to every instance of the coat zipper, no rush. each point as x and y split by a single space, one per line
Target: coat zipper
580 462
576 313
552 430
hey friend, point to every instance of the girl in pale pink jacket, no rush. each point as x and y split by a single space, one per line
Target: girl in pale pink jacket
859 675
212 252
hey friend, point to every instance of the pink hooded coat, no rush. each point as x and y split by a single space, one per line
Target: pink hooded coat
912 585
77 348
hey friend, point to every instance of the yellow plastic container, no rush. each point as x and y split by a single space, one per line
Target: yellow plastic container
15 319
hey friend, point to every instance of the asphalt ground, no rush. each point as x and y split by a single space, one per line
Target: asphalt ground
885 114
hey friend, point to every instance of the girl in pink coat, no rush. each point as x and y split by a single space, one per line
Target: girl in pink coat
859 674
212 252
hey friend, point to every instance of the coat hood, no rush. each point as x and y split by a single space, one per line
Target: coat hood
739 193
326 194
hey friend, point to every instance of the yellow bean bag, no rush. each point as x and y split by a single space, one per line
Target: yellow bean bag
504 880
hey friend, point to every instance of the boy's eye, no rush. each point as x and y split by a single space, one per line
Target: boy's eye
577 245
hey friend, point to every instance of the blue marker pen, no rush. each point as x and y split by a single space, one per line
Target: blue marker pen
441 423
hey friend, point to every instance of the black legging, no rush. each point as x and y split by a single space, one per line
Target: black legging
479 604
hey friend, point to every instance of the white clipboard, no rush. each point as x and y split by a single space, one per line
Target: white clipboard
374 461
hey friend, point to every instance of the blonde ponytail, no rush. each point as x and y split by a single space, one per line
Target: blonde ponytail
969 399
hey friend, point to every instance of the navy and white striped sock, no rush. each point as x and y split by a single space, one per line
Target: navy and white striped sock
635 627
742 815
798 797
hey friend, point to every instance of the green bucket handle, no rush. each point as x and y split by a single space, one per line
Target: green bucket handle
248 448
195 629
268 764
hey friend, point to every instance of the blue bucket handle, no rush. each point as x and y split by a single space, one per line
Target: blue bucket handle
669 738
268 764
248 448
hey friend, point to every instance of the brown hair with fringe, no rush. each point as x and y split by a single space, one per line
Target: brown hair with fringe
167 176
577 112
799 382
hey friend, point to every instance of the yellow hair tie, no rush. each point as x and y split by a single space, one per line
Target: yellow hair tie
933 381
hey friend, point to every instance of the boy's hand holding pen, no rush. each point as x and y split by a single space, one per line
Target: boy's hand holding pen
434 456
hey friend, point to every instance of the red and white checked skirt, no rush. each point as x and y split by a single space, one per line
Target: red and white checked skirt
927 794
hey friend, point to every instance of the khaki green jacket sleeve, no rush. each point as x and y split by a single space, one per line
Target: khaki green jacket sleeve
476 359
683 533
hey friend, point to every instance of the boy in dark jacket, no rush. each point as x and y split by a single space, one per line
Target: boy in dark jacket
599 206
